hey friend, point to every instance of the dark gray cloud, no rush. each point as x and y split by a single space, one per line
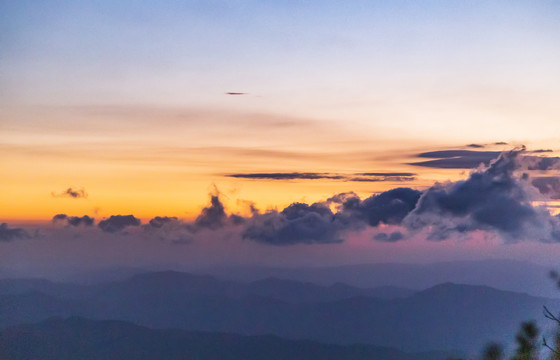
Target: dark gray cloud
317 223
542 163
387 174
456 159
548 185
74 220
117 223
490 199
160 221
9 234
501 143
476 146
235 93
71 193
296 224
358 177
389 207
288 176
383 179
211 217
392 237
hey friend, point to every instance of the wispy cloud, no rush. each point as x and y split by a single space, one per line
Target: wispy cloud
71 193
359 177
456 159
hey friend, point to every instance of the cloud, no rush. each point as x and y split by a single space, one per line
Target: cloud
160 221
456 159
548 185
71 193
236 93
392 237
169 229
117 223
73 220
541 163
389 207
318 224
496 200
211 217
287 176
475 146
297 224
359 177
7 234
388 174
383 178
492 199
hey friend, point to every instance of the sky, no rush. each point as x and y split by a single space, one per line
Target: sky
179 108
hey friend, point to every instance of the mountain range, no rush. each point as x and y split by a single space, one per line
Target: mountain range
443 317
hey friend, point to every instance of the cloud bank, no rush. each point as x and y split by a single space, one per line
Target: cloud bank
498 200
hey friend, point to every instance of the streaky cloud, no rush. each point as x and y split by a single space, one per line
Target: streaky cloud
287 176
456 159
358 177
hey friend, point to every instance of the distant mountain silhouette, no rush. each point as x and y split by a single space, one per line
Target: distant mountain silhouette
78 338
204 285
446 316
509 275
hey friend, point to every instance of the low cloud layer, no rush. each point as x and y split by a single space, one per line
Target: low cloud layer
73 220
498 200
71 193
9 234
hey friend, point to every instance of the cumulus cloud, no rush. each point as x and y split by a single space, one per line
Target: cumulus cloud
211 217
492 199
71 193
389 207
317 223
117 223
10 234
73 220
297 223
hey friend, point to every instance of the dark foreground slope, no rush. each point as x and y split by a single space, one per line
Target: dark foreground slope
74 338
